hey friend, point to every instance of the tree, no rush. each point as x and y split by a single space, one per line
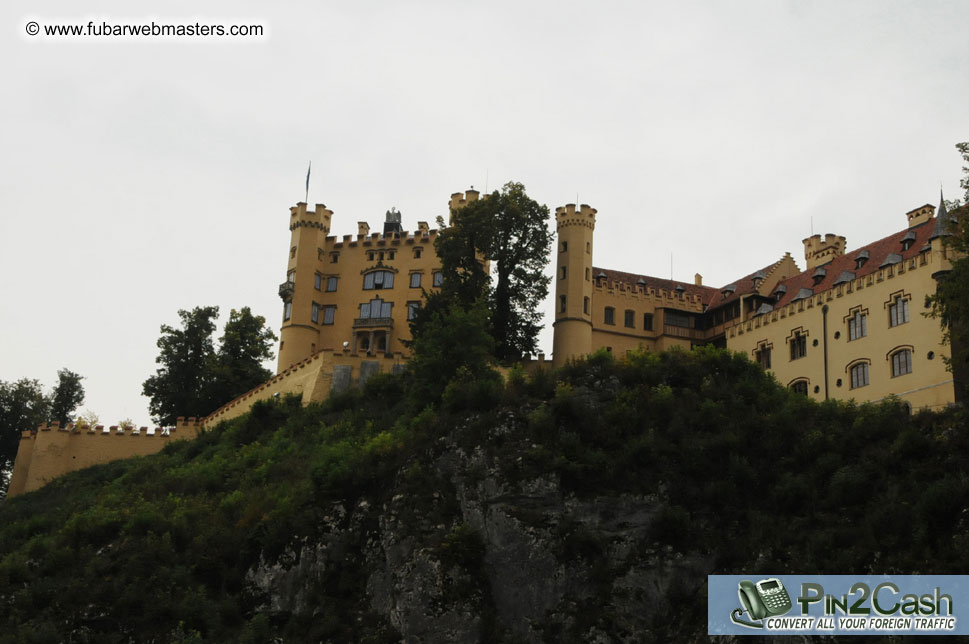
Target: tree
950 302
963 149
236 368
180 385
194 378
23 406
453 340
67 395
511 230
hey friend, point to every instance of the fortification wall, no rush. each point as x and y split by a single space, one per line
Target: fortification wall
314 378
51 450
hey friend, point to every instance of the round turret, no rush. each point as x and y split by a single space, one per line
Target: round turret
573 282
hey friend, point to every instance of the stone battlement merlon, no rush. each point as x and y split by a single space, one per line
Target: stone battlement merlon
618 288
394 239
191 423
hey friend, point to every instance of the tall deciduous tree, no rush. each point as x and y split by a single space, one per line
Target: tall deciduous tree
509 229
180 386
194 378
237 365
23 406
453 339
950 303
67 395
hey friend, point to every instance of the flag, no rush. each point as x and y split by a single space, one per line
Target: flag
308 178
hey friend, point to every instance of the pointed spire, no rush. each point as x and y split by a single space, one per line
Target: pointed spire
941 219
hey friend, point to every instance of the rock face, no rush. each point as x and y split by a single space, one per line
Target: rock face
465 549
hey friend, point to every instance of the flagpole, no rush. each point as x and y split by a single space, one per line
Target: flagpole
307 198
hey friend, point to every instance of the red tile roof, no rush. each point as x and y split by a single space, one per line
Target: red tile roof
713 297
877 253
632 282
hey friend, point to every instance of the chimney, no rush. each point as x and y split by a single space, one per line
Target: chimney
363 228
698 280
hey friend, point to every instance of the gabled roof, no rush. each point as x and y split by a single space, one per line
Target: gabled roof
744 286
884 252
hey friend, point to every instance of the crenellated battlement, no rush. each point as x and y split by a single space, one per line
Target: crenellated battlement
53 450
569 215
182 426
300 217
659 296
461 199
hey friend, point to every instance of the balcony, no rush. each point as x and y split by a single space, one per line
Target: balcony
373 323
286 291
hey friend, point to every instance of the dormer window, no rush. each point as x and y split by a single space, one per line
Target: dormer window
728 290
861 258
779 292
819 275
891 260
908 240
599 278
845 277
803 294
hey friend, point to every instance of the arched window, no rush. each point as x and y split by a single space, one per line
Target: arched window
800 387
376 280
762 355
798 344
898 311
901 362
859 375
858 324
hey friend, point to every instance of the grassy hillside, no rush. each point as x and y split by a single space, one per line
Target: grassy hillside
746 475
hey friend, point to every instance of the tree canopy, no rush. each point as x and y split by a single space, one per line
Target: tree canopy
509 229
194 378
950 302
67 396
24 405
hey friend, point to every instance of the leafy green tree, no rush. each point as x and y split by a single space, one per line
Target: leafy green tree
67 395
180 386
195 378
236 367
453 340
23 406
963 149
511 230
950 302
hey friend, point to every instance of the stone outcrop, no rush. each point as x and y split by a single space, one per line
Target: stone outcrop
465 550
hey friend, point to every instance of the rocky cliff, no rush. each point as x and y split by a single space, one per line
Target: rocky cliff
470 553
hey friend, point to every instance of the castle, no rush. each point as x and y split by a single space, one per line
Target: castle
849 326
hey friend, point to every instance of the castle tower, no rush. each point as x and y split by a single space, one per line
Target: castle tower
299 337
573 282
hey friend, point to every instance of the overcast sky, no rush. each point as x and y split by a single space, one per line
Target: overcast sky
141 176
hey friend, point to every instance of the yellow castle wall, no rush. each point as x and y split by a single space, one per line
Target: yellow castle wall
312 379
53 451
348 259
928 384
620 338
